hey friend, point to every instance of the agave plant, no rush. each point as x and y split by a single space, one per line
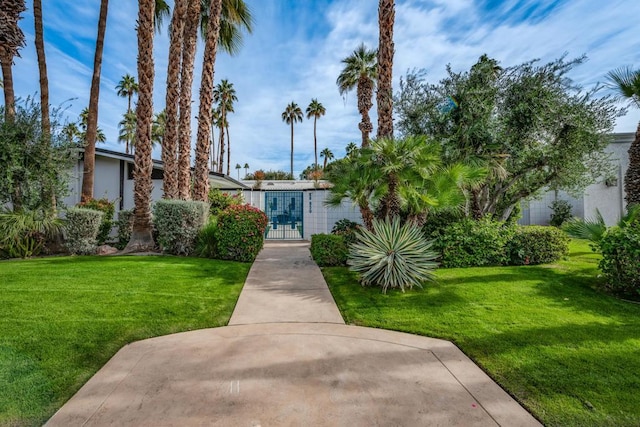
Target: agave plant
392 255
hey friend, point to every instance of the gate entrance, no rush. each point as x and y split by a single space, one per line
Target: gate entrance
284 209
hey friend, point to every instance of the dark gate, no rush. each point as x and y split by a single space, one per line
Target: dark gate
284 209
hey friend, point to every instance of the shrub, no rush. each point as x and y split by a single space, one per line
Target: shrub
535 244
438 221
392 256
471 243
620 264
219 201
329 250
561 212
178 223
24 234
106 207
125 227
347 229
241 233
207 240
82 227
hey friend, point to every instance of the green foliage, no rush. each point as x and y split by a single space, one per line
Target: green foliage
471 243
438 221
106 207
82 227
207 240
178 223
125 227
219 201
347 229
620 264
587 229
260 175
392 256
241 233
24 234
329 250
561 212
537 244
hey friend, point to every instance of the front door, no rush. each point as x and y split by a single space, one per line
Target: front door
284 209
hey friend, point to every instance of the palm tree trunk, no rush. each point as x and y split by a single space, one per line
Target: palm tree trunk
315 143
92 119
364 94
228 150
188 59
7 81
386 17
42 67
292 147
201 171
141 235
221 144
632 176
128 140
170 142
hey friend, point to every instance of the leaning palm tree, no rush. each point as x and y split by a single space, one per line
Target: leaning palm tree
11 40
126 88
327 155
315 110
384 97
360 71
626 82
141 236
224 95
291 115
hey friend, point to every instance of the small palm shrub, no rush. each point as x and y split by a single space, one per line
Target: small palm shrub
241 233
106 207
207 240
536 244
24 234
347 229
392 256
329 250
620 264
178 223
82 227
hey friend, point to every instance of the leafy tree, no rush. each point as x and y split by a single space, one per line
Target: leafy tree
291 115
360 71
627 84
315 110
528 125
270 175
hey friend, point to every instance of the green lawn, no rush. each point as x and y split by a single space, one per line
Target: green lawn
61 319
567 352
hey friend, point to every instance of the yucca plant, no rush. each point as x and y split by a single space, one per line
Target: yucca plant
392 255
24 234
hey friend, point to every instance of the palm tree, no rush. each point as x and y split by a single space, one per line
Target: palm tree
224 95
84 120
92 119
158 128
246 169
201 171
162 11
291 115
328 155
384 97
315 110
71 133
126 88
236 17
360 71
11 40
141 235
351 149
42 68
238 167
626 82
127 130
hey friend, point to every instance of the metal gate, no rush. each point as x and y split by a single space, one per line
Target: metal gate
284 209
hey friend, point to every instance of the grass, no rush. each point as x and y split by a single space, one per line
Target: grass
61 319
567 352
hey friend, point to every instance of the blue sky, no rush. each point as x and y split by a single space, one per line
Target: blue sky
295 51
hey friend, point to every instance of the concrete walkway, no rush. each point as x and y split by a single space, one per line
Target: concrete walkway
288 359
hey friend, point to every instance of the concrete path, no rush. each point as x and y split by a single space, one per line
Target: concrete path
287 359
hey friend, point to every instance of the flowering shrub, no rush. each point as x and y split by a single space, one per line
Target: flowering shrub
241 233
220 201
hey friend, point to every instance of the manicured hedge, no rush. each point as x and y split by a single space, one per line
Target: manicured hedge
178 223
240 234
536 244
329 250
81 229
620 262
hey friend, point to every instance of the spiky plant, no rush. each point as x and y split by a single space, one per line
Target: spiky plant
25 233
393 255
593 229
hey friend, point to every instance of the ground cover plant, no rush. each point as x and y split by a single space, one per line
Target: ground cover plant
565 350
62 318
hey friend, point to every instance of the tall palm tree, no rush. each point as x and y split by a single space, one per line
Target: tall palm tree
236 17
158 128
11 40
351 149
384 97
127 129
291 115
246 169
92 119
141 235
626 82
224 95
42 67
327 155
238 167
126 88
84 124
315 110
161 13
360 71
201 171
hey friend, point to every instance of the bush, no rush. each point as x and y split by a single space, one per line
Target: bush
220 201
82 227
241 233
471 243
125 227
535 244
207 240
24 234
620 264
106 207
392 256
178 223
438 221
561 212
329 250
347 229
